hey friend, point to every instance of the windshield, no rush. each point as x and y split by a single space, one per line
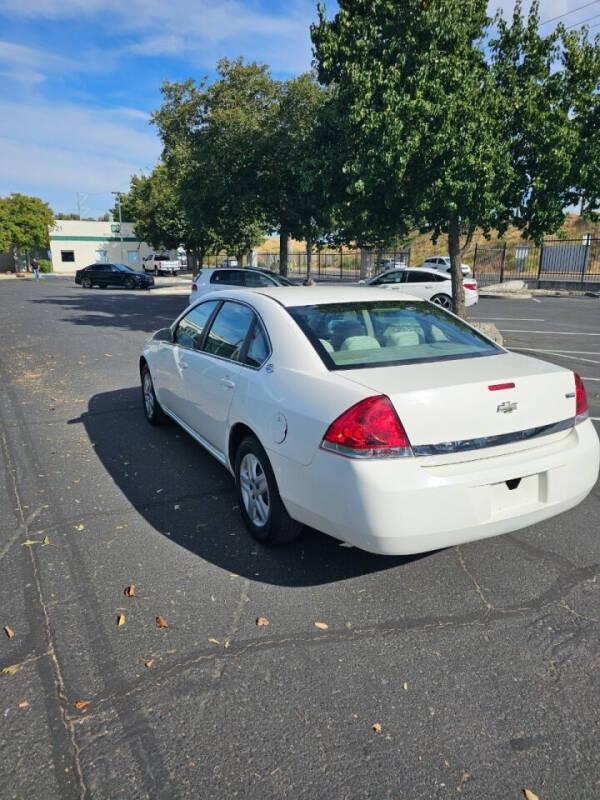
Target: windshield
281 279
385 333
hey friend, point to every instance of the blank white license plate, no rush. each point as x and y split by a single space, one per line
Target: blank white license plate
527 493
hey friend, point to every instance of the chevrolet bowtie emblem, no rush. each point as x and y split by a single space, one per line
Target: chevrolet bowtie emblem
506 407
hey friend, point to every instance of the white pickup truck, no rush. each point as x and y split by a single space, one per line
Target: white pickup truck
158 263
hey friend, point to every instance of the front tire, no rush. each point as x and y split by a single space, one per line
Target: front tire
261 507
442 300
152 410
130 283
86 283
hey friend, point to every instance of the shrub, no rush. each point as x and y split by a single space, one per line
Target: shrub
45 265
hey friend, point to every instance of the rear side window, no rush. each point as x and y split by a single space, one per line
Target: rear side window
258 346
256 279
231 277
229 330
387 333
190 329
418 277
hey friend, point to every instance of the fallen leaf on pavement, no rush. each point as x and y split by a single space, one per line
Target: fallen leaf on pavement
162 622
9 632
405 686
12 670
446 762
262 622
81 705
530 795
45 541
149 662
227 645
24 704
80 527
377 727
30 542
76 481
214 641
322 626
130 591
121 620
108 355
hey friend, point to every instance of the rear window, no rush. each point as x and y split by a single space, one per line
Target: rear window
385 333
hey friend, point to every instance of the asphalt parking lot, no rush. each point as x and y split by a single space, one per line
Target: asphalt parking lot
479 663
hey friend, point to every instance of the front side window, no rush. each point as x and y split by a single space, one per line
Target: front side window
253 279
417 277
387 333
389 277
229 330
190 329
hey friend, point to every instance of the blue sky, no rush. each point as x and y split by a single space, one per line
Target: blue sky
78 79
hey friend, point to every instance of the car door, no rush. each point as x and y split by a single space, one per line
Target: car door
114 276
100 274
171 363
212 374
420 284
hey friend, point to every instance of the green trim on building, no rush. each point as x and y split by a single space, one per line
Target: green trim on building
93 239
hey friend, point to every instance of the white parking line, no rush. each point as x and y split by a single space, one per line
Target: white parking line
554 353
555 333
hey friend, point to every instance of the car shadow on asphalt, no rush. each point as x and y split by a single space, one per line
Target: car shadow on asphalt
186 495
99 308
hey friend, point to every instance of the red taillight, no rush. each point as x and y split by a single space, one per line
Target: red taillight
194 287
470 285
368 429
497 387
581 403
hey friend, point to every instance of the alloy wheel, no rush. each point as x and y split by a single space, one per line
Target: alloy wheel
442 300
255 490
148 395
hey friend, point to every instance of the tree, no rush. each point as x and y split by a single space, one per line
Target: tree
214 139
423 140
25 223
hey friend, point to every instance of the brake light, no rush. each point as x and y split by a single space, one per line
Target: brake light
369 429
194 287
497 387
581 403
470 285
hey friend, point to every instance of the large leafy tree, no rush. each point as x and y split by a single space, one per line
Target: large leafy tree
422 141
25 223
215 139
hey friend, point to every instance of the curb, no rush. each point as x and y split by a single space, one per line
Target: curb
507 295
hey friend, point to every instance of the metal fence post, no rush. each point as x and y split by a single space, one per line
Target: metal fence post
585 259
341 264
475 260
540 263
502 264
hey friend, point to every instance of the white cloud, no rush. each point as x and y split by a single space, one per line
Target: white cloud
28 66
57 150
199 31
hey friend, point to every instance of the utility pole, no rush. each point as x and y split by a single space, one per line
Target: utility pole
118 196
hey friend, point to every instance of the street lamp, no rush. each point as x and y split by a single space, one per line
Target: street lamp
118 196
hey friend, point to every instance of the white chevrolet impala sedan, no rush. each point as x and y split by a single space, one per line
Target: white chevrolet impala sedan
383 421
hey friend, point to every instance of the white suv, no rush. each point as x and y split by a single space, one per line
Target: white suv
213 279
443 263
428 284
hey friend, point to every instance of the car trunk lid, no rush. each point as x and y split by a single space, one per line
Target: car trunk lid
468 404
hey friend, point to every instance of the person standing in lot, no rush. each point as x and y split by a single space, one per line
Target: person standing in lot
36 269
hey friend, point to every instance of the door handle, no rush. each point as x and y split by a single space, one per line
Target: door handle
228 383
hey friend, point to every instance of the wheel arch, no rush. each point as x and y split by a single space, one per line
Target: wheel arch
237 434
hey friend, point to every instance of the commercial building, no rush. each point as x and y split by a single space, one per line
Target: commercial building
76 243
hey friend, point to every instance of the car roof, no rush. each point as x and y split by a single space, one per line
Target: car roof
431 270
313 295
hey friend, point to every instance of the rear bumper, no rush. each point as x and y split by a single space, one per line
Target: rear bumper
400 506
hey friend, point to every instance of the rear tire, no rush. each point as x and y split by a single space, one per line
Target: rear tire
152 410
442 300
260 505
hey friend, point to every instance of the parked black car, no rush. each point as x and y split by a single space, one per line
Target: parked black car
112 275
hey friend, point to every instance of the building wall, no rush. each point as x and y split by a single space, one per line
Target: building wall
94 241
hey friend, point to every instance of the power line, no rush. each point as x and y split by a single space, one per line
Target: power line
583 22
566 14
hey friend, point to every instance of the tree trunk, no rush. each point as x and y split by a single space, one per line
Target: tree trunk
308 262
284 250
364 263
200 253
458 290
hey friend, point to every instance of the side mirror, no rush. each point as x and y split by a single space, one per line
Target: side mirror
163 335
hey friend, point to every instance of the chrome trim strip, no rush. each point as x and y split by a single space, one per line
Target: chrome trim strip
481 442
200 439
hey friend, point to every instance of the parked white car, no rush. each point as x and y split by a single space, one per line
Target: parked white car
381 420
211 280
427 284
443 263
159 263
